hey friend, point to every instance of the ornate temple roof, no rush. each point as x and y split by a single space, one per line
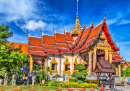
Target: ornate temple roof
117 58
104 67
59 43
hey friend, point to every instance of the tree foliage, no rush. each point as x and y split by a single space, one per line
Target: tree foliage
126 72
10 57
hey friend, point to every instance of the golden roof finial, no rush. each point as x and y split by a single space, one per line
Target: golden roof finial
77 26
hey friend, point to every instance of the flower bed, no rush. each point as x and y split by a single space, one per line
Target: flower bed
76 85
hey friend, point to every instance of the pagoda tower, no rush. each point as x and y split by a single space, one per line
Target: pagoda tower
77 27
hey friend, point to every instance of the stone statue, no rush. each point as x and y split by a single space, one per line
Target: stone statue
33 80
14 79
25 74
6 78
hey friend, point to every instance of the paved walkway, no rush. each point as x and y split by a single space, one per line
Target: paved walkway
122 88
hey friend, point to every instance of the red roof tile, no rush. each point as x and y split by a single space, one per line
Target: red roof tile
69 37
48 40
116 52
51 51
85 33
118 57
60 38
36 48
50 47
70 43
62 45
94 31
35 41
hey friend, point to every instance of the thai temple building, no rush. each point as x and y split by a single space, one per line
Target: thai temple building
61 52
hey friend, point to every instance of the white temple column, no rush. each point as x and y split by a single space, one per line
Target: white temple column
90 63
59 64
72 70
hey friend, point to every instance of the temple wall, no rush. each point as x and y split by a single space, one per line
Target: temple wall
62 61
49 59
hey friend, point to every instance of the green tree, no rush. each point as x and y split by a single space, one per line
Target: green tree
80 74
10 57
126 72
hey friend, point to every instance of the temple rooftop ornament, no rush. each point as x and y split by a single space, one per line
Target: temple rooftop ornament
77 27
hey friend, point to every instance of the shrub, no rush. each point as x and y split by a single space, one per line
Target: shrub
81 73
77 74
72 80
79 67
92 81
79 81
54 83
86 80
77 85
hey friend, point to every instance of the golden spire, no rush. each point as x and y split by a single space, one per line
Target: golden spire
77 26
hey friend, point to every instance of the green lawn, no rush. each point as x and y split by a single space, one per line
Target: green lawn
37 87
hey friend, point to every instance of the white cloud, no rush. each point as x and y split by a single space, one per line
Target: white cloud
111 21
33 25
124 22
17 9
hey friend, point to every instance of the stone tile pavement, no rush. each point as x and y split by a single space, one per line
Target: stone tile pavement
122 88
49 90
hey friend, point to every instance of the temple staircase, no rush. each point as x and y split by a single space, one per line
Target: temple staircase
66 77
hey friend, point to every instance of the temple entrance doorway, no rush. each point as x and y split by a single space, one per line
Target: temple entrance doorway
38 62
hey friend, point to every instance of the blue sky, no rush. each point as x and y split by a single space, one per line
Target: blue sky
34 15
